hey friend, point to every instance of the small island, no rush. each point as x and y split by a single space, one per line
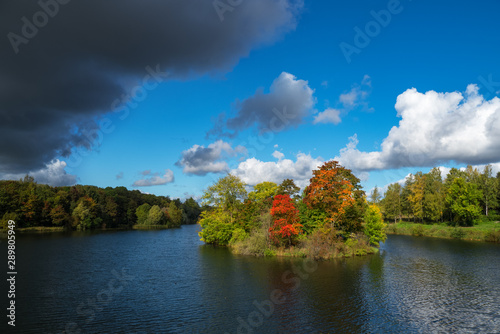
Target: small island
331 219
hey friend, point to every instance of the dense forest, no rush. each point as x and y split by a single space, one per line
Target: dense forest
86 207
463 198
271 216
331 217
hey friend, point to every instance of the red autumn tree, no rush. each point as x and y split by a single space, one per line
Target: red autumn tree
336 191
286 219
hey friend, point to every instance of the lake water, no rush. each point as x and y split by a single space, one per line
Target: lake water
167 281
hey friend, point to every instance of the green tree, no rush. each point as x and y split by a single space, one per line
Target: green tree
155 216
226 198
488 186
498 187
416 197
59 216
142 213
249 215
29 203
175 215
406 207
111 211
4 222
433 204
217 227
472 175
227 194
311 219
463 199
85 214
9 196
374 225
392 202
262 191
288 187
192 210
375 196
453 174
130 212
28 179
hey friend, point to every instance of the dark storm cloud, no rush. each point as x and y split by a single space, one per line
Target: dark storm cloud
201 160
288 103
58 78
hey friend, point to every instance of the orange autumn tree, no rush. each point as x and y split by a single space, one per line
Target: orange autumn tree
286 220
336 191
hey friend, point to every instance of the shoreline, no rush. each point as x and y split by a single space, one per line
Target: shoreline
59 229
38 229
489 232
302 253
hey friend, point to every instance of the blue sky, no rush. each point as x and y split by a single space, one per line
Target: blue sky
441 49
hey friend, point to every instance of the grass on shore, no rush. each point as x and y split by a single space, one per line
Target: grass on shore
322 244
40 229
484 231
49 229
151 227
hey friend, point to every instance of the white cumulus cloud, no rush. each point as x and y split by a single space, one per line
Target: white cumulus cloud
54 174
155 179
330 115
357 95
253 171
278 155
435 128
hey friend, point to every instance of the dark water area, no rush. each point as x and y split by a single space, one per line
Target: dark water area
167 281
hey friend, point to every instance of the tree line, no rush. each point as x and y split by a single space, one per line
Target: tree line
330 213
87 207
462 198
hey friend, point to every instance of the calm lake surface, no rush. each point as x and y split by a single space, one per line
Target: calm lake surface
167 281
